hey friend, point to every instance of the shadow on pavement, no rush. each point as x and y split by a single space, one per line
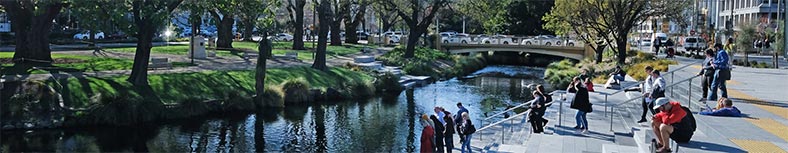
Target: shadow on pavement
712 147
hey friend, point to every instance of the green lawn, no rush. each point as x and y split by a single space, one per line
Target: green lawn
88 64
171 88
280 48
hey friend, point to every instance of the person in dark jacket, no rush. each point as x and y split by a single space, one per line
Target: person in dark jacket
537 111
449 132
708 73
439 129
582 104
458 120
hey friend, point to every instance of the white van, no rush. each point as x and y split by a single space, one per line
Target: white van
661 37
694 43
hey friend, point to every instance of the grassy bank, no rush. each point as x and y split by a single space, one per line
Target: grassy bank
113 101
435 63
560 74
73 63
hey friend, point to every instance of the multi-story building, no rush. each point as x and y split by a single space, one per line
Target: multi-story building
757 12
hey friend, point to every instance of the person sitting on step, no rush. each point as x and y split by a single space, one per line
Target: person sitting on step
662 123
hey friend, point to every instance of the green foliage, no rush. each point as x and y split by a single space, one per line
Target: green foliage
745 37
491 13
359 89
464 65
273 97
419 68
421 54
81 63
560 74
123 110
638 72
296 91
388 83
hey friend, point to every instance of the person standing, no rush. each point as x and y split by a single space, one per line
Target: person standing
537 111
722 73
467 130
439 130
658 88
427 136
730 47
547 99
582 104
647 102
707 71
458 121
449 132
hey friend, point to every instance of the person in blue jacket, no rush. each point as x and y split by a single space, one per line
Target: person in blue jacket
725 108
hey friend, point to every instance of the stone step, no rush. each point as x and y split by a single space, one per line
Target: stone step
363 59
613 148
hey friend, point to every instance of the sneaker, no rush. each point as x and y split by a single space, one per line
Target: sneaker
577 127
642 120
584 131
702 100
545 123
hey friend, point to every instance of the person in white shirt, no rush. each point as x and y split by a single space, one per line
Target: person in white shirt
647 102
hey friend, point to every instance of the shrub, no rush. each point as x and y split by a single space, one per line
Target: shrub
421 68
560 74
464 65
273 97
238 102
296 91
388 83
192 106
396 56
638 72
124 110
358 90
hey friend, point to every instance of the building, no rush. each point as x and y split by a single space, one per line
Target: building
5 23
737 12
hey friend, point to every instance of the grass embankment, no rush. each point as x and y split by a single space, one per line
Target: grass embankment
560 74
120 103
279 48
73 63
435 63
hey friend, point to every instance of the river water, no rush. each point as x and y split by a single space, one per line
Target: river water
381 124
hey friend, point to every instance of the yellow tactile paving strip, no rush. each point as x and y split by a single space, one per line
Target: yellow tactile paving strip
755 146
771 126
779 111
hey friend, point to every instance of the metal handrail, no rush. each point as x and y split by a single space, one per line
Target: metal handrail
510 109
641 96
500 122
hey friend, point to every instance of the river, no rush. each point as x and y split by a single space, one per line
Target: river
380 124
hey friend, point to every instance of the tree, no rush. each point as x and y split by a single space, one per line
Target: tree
140 19
354 15
387 17
607 22
525 17
324 17
296 10
224 12
744 40
264 48
32 22
336 21
491 13
249 11
90 17
417 14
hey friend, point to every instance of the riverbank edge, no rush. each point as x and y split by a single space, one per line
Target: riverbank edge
560 74
114 102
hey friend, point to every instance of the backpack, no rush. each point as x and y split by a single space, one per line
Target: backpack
685 128
548 98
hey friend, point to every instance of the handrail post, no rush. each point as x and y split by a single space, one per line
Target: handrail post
511 126
480 133
502 132
561 109
672 80
611 119
611 111
689 94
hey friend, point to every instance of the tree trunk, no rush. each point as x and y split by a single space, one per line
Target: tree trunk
599 50
139 70
92 39
32 30
224 32
325 20
298 28
336 39
264 47
352 22
248 29
622 49
413 38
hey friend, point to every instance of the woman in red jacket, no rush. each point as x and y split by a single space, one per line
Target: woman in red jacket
427 136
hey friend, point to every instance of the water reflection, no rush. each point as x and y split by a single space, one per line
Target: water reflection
388 123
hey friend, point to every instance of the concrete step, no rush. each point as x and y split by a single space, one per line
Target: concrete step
363 59
511 148
613 148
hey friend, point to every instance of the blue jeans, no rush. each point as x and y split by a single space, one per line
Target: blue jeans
449 142
467 143
718 83
580 118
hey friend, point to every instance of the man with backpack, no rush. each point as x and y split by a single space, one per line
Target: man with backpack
672 122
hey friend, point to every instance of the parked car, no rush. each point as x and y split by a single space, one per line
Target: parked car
459 38
394 39
86 34
645 42
573 42
497 39
546 40
694 43
283 37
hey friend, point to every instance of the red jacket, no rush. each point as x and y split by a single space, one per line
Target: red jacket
427 136
674 115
